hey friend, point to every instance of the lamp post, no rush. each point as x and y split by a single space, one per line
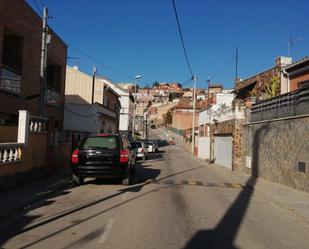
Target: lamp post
134 106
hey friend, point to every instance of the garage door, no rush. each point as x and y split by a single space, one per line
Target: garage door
223 151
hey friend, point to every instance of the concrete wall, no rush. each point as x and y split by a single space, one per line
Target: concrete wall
273 150
78 88
78 123
203 147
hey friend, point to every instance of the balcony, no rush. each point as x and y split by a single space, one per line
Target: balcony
10 81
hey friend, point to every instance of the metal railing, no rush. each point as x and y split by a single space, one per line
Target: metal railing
286 105
10 80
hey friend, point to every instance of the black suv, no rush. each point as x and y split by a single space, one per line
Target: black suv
103 156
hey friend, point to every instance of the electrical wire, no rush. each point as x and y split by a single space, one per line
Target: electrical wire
101 63
38 8
223 68
42 3
181 38
73 112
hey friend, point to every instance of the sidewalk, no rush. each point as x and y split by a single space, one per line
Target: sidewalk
18 200
294 202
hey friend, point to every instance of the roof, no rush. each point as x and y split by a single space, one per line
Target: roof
297 63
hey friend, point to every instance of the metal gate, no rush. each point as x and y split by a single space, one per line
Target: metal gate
223 150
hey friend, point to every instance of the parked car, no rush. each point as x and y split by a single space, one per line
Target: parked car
103 156
140 149
151 146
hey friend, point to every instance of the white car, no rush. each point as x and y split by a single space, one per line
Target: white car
140 149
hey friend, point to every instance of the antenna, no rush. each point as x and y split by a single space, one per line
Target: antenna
292 41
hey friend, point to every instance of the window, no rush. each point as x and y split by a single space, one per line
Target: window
53 77
106 101
12 53
100 142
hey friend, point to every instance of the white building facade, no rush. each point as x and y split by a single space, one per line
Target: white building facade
126 111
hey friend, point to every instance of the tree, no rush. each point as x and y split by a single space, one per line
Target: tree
155 84
168 118
272 88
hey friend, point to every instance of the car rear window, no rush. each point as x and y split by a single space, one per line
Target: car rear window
108 142
135 145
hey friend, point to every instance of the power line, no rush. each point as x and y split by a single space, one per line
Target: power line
90 57
73 112
42 3
101 63
181 38
223 68
38 8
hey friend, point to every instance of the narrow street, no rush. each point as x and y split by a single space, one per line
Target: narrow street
177 202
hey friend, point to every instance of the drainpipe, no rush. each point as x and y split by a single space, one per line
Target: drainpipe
286 74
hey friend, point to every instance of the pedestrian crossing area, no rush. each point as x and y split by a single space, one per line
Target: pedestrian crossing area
196 183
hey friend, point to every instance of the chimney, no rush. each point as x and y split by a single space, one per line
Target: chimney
283 61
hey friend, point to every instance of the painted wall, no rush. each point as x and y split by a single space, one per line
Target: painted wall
33 156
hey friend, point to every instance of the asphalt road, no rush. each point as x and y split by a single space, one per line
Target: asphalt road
188 205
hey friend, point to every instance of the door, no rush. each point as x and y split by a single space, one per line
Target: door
223 150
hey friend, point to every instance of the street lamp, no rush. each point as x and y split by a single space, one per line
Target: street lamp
134 106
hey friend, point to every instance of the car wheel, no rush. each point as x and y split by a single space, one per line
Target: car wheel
77 180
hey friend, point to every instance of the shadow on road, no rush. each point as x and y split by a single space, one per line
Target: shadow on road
224 234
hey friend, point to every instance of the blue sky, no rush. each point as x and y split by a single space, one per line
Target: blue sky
141 37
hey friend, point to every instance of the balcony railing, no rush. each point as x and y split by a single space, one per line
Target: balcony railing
53 97
10 153
37 124
10 80
286 105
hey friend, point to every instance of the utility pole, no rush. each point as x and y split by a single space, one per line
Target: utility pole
134 108
208 94
146 126
43 87
236 66
94 71
193 115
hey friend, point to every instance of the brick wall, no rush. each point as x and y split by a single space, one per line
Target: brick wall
18 19
183 120
294 82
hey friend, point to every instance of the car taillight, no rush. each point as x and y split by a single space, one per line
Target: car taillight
74 158
124 156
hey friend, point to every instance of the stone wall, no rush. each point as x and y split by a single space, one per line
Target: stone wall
235 128
278 151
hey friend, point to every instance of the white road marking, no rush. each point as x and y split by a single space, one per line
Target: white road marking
107 231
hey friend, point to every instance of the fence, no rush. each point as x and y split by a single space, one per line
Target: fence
286 105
